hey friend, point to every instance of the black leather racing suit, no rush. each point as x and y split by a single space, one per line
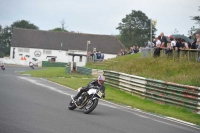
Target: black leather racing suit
92 84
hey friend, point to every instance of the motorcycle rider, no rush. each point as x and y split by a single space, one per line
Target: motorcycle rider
97 83
31 65
1 64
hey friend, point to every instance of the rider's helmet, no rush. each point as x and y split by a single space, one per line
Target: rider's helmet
101 79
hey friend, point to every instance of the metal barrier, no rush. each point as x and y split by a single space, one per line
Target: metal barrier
53 64
83 70
157 90
129 83
68 69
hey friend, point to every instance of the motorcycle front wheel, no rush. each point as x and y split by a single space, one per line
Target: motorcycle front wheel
71 105
91 105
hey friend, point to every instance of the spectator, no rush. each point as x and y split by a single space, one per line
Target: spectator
98 55
194 44
163 40
122 52
198 42
157 48
178 44
92 55
136 49
95 55
130 51
184 45
149 44
102 56
125 52
173 43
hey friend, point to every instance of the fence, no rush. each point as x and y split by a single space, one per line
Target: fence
83 70
157 90
182 55
87 71
53 64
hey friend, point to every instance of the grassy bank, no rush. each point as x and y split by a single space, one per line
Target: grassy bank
161 68
114 95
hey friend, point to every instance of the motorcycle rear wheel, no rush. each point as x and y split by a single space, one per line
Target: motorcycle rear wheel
91 107
71 105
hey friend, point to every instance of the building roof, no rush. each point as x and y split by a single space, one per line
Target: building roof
54 40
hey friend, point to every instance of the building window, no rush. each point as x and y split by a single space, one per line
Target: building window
24 50
46 51
20 50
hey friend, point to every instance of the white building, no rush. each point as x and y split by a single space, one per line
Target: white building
28 45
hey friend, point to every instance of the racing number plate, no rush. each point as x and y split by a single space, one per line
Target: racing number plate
99 94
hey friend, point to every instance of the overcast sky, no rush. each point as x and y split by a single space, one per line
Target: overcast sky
99 16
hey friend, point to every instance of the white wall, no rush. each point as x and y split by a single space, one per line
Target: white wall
109 56
62 56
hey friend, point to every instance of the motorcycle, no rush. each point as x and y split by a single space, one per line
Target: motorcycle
31 65
3 67
87 101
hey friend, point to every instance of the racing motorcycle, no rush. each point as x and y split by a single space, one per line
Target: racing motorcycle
31 65
87 101
3 67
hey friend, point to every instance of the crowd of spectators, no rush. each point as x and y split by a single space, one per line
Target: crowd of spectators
159 43
132 50
97 55
176 44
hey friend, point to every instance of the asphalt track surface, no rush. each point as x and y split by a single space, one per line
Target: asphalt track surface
35 105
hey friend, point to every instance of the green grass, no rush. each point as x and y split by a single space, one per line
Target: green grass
147 67
120 97
50 72
162 68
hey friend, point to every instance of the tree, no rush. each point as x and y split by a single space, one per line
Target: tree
5 40
6 34
135 29
59 29
197 18
192 31
24 24
175 31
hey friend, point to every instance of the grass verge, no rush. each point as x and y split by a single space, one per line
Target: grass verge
74 81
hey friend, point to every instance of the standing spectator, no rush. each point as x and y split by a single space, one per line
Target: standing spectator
157 48
198 42
92 55
95 55
194 44
102 56
149 44
98 55
163 40
122 52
